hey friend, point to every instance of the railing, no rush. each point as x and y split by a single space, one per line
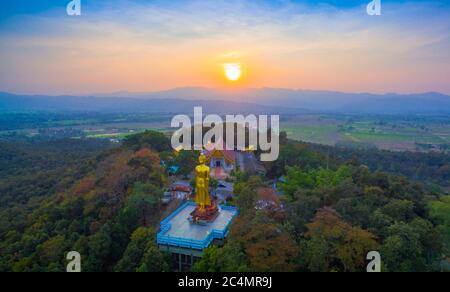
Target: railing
165 226
229 208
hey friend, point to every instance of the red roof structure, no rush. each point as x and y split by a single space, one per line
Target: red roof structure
228 155
180 188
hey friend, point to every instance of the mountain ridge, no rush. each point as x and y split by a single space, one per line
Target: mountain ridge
231 100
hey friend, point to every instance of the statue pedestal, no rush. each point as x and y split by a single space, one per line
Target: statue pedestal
203 217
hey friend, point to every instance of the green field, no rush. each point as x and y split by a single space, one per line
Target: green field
322 134
398 135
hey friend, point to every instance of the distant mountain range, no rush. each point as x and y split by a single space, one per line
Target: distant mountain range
15 103
267 100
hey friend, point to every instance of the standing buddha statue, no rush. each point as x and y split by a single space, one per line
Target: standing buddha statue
206 210
202 173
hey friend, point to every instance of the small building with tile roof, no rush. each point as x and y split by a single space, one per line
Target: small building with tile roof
221 162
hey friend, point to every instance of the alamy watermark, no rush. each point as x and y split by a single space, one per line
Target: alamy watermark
241 133
74 265
374 265
374 8
74 8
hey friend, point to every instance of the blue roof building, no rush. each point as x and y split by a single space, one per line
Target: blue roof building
185 241
173 169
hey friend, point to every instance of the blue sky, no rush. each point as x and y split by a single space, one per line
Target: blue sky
154 45
14 7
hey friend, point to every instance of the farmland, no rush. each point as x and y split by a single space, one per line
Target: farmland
397 133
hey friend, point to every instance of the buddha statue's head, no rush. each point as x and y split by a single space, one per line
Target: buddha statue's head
202 159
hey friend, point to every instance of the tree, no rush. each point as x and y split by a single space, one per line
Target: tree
155 140
145 158
431 241
379 223
213 183
99 247
270 249
134 251
143 204
258 245
297 179
440 214
401 250
154 260
400 210
230 258
209 262
186 160
332 244
267 246
355 210
142 254
52 251
302 210
246 193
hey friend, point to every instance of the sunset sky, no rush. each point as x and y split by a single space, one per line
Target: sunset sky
156 45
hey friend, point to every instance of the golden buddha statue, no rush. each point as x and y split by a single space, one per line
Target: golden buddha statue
206 210
202 173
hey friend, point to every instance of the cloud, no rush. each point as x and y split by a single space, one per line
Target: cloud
176 43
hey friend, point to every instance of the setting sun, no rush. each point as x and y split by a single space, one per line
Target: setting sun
232 71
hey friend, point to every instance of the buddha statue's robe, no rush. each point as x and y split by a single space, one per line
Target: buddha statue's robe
202 173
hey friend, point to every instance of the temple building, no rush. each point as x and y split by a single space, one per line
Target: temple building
195 226
221 162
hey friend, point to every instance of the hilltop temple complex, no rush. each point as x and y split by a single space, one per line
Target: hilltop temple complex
223 162
194 226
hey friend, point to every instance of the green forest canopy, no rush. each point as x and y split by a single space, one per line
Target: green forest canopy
105 203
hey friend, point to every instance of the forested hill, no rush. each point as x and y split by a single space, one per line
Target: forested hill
111 196
330 216
107 207
430 169
30 169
